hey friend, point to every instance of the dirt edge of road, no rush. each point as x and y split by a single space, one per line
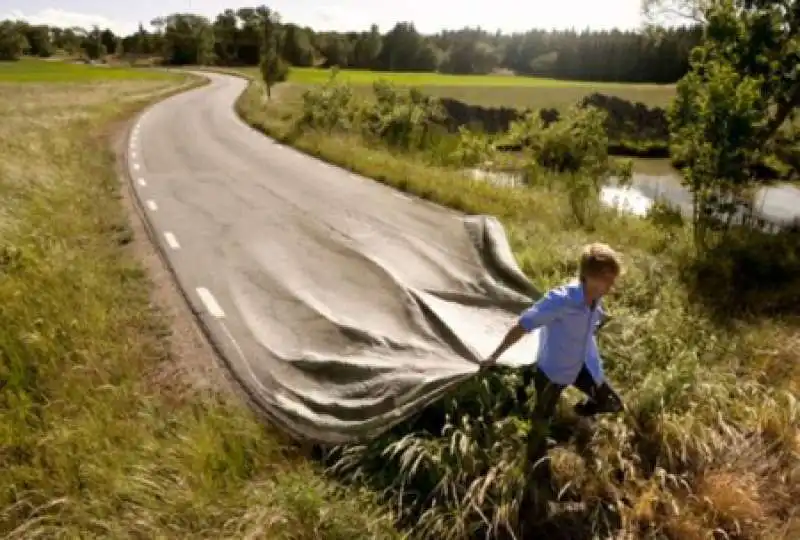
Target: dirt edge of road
194 362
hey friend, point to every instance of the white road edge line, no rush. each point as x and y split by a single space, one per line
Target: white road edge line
212 306
152 205
142 182
253 378
171 240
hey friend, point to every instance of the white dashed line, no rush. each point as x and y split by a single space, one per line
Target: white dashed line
171 240
142 182
210 302
133 154
152 205
135 166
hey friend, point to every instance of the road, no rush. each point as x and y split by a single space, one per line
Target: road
340 305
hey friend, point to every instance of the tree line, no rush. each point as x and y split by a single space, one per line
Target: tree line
234 37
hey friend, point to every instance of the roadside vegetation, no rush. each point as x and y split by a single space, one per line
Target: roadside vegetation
703 343
93 442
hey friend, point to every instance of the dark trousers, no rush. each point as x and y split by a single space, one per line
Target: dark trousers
600 399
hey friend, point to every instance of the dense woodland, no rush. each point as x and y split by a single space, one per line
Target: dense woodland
232 38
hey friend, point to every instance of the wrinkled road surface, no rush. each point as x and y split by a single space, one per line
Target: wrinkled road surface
340 305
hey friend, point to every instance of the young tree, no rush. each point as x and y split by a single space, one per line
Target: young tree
743 85
273 68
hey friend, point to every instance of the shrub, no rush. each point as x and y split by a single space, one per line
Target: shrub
329 107
402 117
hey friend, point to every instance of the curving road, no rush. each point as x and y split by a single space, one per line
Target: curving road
341 306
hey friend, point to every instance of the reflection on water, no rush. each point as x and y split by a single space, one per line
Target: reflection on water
627 199
655 179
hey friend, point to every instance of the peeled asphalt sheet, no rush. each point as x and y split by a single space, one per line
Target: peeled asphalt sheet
341 306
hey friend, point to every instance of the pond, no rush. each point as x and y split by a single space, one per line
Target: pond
656 179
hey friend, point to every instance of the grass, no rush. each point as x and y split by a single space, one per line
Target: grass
39 71
92 444
710 444
489 90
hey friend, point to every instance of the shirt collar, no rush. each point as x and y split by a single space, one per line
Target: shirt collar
578 294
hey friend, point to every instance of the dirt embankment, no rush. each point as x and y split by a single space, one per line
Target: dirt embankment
634 129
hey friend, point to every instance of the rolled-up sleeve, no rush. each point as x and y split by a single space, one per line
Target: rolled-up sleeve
547 309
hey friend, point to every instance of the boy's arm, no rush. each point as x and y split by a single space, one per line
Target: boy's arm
547 309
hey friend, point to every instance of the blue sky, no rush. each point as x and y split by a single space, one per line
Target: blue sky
428 15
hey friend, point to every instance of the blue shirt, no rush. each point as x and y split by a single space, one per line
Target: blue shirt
566 341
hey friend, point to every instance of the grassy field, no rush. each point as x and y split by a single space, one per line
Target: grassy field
490 90
38 71
710 444
93 441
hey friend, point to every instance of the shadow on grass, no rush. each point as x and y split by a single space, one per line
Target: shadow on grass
750 274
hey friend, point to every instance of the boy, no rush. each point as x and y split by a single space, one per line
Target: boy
568 315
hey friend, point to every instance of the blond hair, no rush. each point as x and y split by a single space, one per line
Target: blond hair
597 259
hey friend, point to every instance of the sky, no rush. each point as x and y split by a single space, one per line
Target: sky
429 16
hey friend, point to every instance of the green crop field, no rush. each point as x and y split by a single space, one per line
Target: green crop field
29 70
489 90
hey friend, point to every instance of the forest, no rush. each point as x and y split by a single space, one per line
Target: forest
232 39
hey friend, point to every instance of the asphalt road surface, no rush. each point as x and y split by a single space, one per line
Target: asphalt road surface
340 305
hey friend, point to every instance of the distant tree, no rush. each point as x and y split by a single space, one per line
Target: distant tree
405 49
67 39
469 52
367 48
297 49
249 36
109 41
12 41
226 36
337 50
273 68
39 39
188 39
92 44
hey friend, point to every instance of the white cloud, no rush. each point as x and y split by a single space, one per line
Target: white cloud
66 19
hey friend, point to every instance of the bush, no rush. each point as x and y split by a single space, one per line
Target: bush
401 117
329 107
472 149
